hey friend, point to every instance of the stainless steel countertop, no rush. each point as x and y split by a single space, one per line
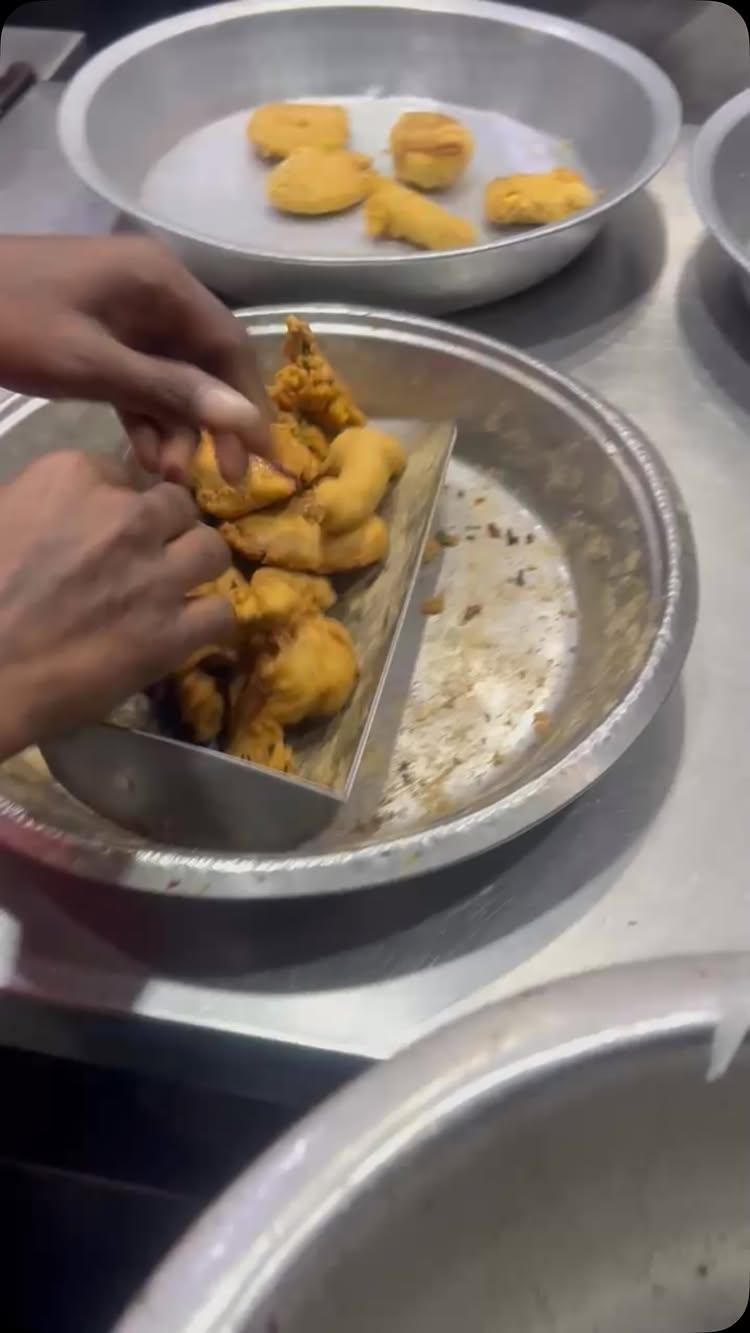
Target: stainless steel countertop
652 861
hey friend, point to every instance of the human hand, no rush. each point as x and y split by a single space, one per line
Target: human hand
94 580
119 320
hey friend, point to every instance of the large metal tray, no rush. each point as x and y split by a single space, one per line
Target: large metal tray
549 658
719 180
155 125
575 1160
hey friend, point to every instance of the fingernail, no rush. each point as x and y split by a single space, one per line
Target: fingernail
232 457
145 441
223 408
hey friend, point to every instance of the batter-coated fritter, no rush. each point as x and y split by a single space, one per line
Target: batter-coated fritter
395 212
363 546
200 703
294 541
536 198
261 485
281 538
260 740
361 463
429 149
299 447
271 597
278 128
308 387
280 597
308 672
312 182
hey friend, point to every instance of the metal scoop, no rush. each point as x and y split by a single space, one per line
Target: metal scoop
183 795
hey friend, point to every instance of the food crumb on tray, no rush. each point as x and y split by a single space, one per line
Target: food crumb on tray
433 606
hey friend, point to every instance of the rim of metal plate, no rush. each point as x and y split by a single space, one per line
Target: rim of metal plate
184 873
702 169
654 83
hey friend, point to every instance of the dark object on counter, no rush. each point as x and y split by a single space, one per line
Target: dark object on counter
14 82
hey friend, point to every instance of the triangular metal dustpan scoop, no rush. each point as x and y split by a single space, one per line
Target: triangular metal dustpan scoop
181 795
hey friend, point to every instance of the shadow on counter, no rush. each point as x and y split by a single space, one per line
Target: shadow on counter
591 302
715 319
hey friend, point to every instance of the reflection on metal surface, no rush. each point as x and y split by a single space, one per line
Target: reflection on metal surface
614 551
718 178
557 1164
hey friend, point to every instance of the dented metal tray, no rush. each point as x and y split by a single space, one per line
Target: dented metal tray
569 605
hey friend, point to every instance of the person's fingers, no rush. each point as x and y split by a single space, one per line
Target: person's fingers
203 621
172 510
196 557
210 336
175 394
231 456
145 441
176 452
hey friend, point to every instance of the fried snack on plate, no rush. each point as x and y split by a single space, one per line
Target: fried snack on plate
313 181
293 541
397 213
308 386
287 540
429 149
279 128
532 199
299 447
310 671
260 740
269 597
363 546
261 485
361 463
280 596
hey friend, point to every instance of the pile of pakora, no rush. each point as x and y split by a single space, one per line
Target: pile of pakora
318 174
289 530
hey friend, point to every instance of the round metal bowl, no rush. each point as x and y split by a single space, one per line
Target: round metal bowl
720 180
155 124
574 1161
570 603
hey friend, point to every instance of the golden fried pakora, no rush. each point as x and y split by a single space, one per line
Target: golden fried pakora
313 181
292 541
430 150
260 740
278 128
281 596
200 703
394 212
309 672
363 546
533 199
287 540
270 597
361 463
308 387
262 484
287 660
